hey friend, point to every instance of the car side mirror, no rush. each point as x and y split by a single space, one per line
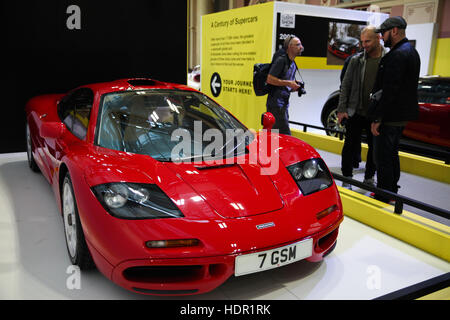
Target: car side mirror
267 120
52 130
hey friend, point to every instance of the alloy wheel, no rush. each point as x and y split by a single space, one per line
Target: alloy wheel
69 215
333 123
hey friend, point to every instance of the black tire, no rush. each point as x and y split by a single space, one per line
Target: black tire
76 244
330 120
31 162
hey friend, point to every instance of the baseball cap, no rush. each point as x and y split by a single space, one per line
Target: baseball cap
392 22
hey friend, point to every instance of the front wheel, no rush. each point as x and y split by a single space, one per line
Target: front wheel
76 244
31 162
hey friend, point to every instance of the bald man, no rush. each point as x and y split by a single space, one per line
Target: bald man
282 77
354 101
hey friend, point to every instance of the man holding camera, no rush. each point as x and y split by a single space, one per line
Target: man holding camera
354 102
282 77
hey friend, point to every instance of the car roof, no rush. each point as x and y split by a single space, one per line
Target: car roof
348 40
134 84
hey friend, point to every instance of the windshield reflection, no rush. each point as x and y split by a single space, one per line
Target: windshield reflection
169 125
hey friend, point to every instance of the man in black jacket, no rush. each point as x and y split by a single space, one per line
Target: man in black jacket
394 101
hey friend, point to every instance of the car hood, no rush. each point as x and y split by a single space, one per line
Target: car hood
232 190
206 190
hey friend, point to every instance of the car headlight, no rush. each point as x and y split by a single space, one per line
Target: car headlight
311 175
136 201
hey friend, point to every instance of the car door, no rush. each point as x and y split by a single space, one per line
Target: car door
434 113
74 111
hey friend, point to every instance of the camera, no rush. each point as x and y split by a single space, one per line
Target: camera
301 91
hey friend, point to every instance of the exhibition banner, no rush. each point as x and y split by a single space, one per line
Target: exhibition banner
232 42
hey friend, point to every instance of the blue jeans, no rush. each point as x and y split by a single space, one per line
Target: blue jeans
385 150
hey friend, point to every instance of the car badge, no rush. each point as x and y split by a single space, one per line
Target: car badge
265 225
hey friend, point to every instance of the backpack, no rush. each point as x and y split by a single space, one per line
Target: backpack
260 72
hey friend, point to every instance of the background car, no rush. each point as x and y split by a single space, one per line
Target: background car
145 198
434 113
343 47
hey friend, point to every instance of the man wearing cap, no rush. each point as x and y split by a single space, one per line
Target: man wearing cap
393 101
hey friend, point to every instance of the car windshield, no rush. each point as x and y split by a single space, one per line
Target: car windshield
169 125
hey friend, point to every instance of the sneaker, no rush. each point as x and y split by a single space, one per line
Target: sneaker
347 186
370 182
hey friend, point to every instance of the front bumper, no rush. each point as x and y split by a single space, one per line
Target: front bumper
187 276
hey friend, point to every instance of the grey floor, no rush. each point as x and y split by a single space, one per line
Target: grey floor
34 264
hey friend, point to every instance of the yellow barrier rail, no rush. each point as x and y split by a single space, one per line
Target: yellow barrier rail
426 235
415 230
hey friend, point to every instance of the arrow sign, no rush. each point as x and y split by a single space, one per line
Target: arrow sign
216 84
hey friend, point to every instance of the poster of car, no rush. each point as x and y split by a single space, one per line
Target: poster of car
343 41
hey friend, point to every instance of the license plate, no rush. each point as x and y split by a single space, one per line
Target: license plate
270 259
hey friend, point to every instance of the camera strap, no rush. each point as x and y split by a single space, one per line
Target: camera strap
298 71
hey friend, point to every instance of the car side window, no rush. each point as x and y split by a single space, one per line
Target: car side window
75 109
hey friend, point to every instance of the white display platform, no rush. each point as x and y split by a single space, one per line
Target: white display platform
34 264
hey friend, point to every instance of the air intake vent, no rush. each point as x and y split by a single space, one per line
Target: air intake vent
141 82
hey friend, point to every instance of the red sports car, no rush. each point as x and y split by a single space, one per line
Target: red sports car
156 193
434 112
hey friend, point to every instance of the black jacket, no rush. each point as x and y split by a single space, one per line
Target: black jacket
398 75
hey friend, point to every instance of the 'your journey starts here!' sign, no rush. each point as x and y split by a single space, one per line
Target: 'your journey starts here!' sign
232 42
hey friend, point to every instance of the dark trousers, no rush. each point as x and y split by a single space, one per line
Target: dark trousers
281 115
352 146
386 158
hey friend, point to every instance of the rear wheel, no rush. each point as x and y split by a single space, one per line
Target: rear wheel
76 244
31 162
331 121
